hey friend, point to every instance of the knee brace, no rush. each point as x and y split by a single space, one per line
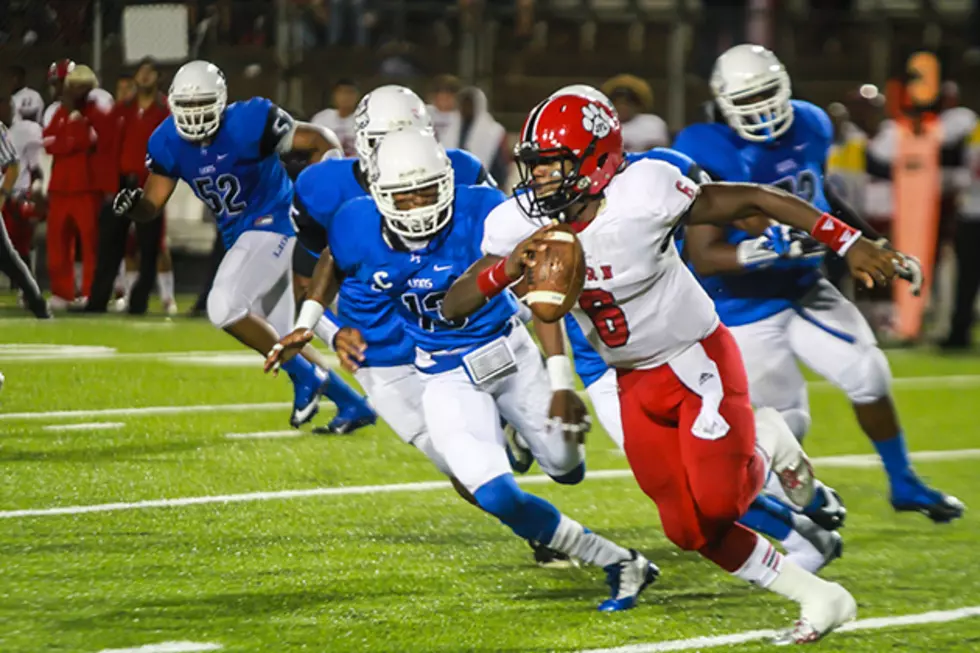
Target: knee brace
869 378
223 311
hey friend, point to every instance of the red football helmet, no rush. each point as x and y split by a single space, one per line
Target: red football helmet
579 133
58 70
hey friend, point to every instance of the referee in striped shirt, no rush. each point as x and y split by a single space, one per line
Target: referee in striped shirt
11 263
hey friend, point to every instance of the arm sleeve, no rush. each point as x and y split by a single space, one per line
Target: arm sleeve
312 235
159 159
277 132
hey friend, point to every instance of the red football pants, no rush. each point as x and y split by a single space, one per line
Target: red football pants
701 487
20 231
72 215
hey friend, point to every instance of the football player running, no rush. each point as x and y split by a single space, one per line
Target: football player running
387 373
769 290
809 535
229 156
690 432
410 241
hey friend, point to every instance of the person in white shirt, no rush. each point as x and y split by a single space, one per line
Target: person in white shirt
340 118
12 149
24 101
443 107
631 96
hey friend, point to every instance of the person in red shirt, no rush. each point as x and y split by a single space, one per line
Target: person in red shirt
81 138
137 119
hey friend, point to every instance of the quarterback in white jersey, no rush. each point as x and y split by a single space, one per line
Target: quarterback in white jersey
690 433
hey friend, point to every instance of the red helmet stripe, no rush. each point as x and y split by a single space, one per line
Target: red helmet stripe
532 121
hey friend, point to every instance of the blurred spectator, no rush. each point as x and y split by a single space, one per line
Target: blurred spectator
56 87
81 139
442 107
349 23
23 100
967 255
125 88
340 118
14 169
631 96
136 120
24 208
481 135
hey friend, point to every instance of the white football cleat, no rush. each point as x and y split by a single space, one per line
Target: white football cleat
820 615
170 307
2 379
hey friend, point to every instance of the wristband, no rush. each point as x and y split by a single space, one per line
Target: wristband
560 373
493 280
309 315
326 328
835 234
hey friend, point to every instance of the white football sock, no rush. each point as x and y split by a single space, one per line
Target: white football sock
571 538
763 564
165 284
130 281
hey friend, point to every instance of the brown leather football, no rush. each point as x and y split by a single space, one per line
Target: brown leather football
556 280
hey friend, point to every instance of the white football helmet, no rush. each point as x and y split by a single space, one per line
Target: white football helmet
198 97
589 92
384 110
753 91
408 160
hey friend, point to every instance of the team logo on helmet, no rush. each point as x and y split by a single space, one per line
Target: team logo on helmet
595 121
361 114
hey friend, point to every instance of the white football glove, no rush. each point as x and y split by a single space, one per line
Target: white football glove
910 269
907 266
125 200
778 241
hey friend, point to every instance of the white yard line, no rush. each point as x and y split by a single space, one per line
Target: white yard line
84 426
421 486
911 383
699 643
147 410
168 647
258 435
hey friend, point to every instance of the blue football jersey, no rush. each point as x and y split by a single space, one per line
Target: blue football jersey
321 190
237 173
795 163
414 282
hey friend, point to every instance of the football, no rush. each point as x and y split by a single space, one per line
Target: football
556 279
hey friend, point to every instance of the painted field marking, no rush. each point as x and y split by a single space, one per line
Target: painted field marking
258 435
877 623
168 647
84 426
911 383
863 461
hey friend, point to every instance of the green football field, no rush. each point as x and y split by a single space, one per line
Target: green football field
151 495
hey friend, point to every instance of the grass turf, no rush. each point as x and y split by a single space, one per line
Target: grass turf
410 571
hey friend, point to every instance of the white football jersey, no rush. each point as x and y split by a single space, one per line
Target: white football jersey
641 306
343 127
26 137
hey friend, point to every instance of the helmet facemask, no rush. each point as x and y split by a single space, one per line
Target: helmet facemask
759 112
550 197
197 115
409 220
